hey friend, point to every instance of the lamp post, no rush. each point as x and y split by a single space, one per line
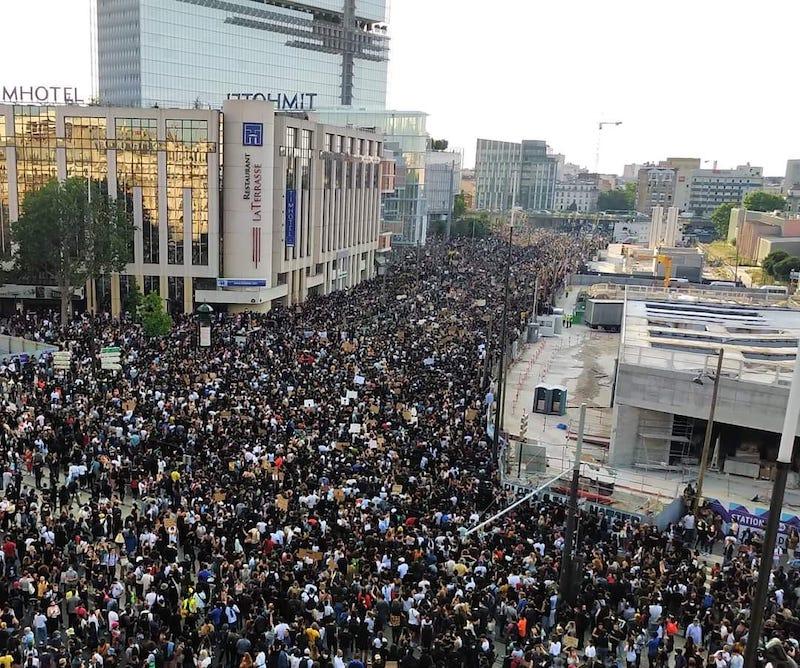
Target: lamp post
501 390
565 585
204 314
785 453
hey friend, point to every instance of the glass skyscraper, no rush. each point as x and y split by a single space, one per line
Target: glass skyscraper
301 54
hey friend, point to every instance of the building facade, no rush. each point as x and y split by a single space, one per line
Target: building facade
576 195
712 187
163 162
497 165
791 181
507 173
301 199
404 211
666 185
442 181
537 182
300 54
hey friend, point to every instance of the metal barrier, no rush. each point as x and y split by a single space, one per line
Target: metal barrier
762 372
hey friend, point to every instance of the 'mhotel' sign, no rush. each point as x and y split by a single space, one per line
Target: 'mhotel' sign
40 95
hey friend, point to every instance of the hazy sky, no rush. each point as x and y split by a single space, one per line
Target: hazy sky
704 78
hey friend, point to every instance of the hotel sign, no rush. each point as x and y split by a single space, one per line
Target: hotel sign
282 101
25 94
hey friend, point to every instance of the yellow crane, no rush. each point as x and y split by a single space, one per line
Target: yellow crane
665 260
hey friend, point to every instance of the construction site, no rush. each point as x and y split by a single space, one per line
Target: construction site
647 379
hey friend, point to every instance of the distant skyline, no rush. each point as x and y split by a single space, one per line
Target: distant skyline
704 79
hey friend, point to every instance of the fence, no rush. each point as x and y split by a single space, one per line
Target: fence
11 346
762 372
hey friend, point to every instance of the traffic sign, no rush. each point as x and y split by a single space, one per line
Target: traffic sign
62 359
109 358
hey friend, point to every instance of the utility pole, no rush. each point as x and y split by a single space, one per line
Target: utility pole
451 204
564 585
489 353
501 393
707 440
785 454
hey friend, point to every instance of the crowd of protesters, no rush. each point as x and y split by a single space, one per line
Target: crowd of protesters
299 495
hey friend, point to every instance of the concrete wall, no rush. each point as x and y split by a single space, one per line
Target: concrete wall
11 346
745 404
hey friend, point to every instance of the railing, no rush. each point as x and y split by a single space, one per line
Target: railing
757 371
741 297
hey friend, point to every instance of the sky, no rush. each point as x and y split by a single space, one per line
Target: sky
689 78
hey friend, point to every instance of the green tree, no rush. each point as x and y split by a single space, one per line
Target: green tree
69 232
760 200
572 207
630 195
769 262
439 144
459 206
614 200
133 299
155 320
721 217
782 269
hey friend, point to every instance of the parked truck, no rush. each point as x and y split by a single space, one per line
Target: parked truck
604 314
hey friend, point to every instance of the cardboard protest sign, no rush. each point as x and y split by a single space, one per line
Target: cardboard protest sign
282 503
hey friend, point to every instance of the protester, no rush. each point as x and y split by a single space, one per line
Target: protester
298 494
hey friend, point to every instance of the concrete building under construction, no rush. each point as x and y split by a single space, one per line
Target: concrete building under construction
669 346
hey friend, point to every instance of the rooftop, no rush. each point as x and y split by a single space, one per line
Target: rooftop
684 329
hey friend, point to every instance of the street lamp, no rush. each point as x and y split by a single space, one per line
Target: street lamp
785 453
204 314
501 390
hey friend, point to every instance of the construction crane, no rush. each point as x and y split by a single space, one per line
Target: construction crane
600 126
666 260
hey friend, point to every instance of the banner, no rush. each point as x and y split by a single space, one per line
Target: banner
754 519
291 218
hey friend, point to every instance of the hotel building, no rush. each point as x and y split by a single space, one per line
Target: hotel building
298 214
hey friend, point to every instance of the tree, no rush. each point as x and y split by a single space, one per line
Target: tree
70 232
769 262
133 299
760 200
785 267
155 320
614 200
721 217
439 144
630 195
459 206
572 207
